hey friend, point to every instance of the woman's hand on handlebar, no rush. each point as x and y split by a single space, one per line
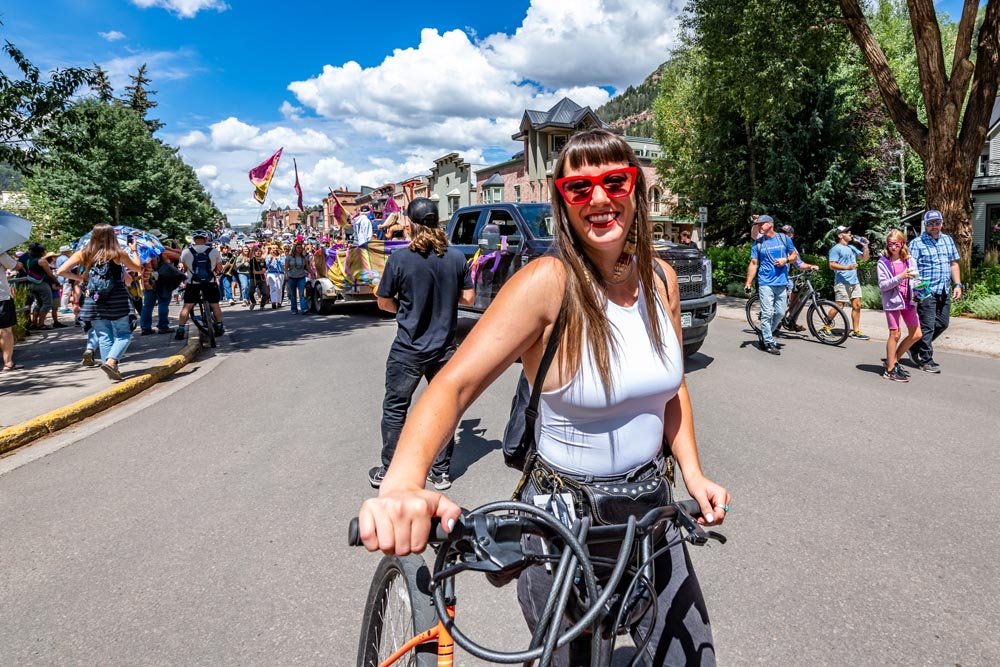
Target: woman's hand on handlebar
712 498
399 521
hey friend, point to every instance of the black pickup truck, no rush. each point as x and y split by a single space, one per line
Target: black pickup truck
511 234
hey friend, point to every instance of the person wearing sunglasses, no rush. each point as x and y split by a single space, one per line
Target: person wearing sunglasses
770 255
937 263
896 270
611 398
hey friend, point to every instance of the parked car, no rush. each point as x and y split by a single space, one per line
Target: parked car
511 234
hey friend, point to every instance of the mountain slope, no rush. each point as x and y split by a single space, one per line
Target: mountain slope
632 111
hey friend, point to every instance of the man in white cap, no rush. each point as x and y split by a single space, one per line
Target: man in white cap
937 262
843 258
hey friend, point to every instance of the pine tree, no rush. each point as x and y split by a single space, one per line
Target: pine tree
138 97
101 85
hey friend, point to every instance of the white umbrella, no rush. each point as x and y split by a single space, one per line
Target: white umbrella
14 230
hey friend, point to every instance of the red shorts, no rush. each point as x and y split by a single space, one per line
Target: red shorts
908 315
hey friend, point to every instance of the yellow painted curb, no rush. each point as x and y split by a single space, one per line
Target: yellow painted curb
17 436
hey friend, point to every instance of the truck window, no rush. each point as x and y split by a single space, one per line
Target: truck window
504 222
465 229
538 217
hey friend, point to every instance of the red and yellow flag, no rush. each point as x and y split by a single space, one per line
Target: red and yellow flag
262 174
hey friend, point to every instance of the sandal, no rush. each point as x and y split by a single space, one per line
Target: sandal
12 367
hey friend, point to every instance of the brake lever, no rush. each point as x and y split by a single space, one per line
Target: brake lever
480 552
694 534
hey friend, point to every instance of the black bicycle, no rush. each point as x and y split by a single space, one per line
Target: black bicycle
827 321
204 319
409 618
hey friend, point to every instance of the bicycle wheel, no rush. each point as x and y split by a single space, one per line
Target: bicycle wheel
399 607
209 320
753 312
828 330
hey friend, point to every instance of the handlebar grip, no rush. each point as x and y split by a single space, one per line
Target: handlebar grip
354 533
691 506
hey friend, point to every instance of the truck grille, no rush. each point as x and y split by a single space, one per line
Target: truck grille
689 277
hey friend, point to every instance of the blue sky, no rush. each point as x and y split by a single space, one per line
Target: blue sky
359 93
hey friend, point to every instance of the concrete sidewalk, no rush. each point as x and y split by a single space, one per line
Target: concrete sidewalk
965 334
52 377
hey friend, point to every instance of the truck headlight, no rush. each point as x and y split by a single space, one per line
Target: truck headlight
706 271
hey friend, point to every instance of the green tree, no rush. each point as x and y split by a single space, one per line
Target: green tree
101 85
29 103
102 165
958 94
138 97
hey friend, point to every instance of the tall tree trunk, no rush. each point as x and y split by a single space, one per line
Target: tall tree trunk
948 183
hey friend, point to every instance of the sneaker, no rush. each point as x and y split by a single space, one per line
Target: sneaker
111 371
798 328
179 334
899 370
930 367
147 332
772 348
894 376
88 359
164 330
858 335
220 328
827 330
440 482
376 475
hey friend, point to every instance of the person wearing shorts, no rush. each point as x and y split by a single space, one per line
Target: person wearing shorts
846 286
8 313
196 289
895 270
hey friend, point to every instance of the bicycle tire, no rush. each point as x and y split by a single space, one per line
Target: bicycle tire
209 323
399 607
753 315
753 312
817 319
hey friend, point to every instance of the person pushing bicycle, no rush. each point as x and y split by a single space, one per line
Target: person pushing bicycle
801 265
612 405
201 263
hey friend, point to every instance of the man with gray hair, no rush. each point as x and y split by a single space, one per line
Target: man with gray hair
937 262
770 254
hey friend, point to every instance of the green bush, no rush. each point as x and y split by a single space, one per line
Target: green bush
987 308
871 297
988 277
729 264
735 289
20 327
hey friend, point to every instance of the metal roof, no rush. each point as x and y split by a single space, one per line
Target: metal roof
494 180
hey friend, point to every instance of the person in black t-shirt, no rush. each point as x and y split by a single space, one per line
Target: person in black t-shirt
423 285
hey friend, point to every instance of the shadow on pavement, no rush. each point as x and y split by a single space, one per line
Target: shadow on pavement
697 362
470 446
871 368
250 330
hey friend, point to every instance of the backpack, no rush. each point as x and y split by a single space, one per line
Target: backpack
201 266
33 272
100 280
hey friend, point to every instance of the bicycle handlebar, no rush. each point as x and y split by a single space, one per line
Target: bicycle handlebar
496 526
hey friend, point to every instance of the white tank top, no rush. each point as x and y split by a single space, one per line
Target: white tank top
581 431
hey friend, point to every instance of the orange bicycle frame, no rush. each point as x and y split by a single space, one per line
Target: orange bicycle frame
438 634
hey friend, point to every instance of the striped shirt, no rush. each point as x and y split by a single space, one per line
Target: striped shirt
934 258
113 306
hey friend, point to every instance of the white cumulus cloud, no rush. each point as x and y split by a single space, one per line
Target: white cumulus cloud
183 8
232 134
112 35
207 172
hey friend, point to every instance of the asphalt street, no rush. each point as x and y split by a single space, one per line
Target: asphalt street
208 528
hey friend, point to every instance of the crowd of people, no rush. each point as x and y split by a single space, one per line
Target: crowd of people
917 282
105 289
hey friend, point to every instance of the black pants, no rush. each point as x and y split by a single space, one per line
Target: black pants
402 379
935 316
682 634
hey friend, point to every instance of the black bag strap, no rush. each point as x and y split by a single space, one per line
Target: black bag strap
531 412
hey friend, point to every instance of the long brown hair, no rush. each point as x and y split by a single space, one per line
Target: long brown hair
426 239
583 305
103 246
